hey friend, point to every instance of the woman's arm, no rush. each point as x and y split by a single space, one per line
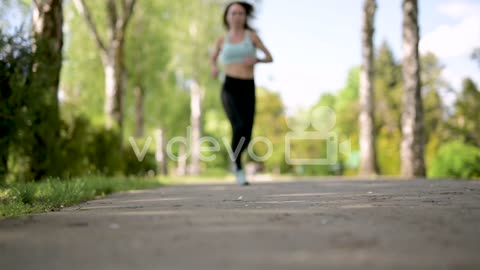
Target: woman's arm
259 44
214 57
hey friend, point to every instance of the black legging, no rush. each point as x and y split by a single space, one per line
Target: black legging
238 98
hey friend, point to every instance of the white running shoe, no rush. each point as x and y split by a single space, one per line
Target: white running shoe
241 178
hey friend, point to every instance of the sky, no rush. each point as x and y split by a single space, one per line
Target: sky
314 43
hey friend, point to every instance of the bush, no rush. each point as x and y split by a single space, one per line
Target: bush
35 143
88 150
456 159
104 152
133 166
16 60
95 150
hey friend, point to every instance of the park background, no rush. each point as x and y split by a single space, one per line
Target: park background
165 90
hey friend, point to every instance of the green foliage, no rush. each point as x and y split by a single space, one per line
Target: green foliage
139 166
432 84
345 128
197 27
350 92
388 91
431 149
313 170
87 149
347 110
387 68
270 126
104 154
465 119
82 77
167 45
27 111
159 46
388 151
327 100
14 60
456 159
347 106
217 127
148 52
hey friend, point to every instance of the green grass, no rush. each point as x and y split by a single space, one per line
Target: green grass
24 198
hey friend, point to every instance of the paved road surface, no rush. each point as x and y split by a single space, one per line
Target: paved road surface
327 224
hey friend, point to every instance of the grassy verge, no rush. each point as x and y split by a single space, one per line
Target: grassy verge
23 198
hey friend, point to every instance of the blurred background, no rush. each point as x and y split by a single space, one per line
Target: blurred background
105 87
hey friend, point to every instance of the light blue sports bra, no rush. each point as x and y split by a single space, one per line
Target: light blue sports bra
236 52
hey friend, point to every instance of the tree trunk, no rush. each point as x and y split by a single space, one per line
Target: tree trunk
368 158
182 161
412 148
47 23
162 166
196 122
119 13
114 89
138 92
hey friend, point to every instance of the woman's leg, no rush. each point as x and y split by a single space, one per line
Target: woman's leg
248 112
232 109
238 98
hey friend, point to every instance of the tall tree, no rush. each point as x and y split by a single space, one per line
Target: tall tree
347 105
467 106
119 14
148 40
388 93
198 26
47 26
47 23
432 84
388 77
368 158
413 141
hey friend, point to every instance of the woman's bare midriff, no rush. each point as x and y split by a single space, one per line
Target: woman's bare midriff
239 70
